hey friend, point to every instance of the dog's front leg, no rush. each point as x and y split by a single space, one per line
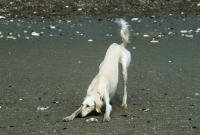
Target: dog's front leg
71 117
108 108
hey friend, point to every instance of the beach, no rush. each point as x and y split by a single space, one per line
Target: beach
46 66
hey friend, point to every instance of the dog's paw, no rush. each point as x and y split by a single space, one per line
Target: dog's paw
124 106
66 119
106 119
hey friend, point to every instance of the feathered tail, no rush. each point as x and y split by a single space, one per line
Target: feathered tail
124 32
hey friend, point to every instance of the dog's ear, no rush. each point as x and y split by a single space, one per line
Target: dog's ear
98 105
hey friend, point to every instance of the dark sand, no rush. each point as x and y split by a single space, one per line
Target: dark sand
54 70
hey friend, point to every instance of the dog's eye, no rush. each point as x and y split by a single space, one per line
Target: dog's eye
87 106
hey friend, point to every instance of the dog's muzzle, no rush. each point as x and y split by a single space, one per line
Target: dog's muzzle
79 115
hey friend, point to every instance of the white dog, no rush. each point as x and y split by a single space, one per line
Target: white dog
104 85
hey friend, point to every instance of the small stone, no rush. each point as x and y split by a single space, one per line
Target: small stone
145 35
91 120
183 31
52 27
42 108
35 34
134 19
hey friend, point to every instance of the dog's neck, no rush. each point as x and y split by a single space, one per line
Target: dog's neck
97 95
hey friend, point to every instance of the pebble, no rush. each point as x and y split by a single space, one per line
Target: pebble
134 19
52 27
171 33
11 37
35 34
189 36
145 110
27 38
2 17
154 41
145 35
91 120
183 31
90 40
42 108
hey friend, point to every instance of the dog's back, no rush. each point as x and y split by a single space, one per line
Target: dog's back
114 55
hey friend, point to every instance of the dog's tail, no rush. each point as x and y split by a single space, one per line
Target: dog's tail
124 32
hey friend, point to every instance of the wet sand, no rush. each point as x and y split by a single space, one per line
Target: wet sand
54 69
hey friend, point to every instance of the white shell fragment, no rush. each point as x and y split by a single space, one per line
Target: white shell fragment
145 35
52 27
42 108
90 40
154 41
35 34
2 17
109 35
1 34
183 31
27 38
91 120
10 37
190 36
134 19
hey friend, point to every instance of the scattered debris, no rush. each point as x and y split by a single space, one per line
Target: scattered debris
35 34
91 120
42 108
145 35
145 110
134 19
52 27
183 31
154 40
27 38
10 37
2 17
190 36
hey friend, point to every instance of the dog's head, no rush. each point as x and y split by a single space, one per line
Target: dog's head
89 104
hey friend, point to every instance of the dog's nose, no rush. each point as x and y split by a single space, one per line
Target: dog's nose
79 115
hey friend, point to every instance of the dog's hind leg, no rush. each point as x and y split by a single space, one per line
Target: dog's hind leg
125 61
